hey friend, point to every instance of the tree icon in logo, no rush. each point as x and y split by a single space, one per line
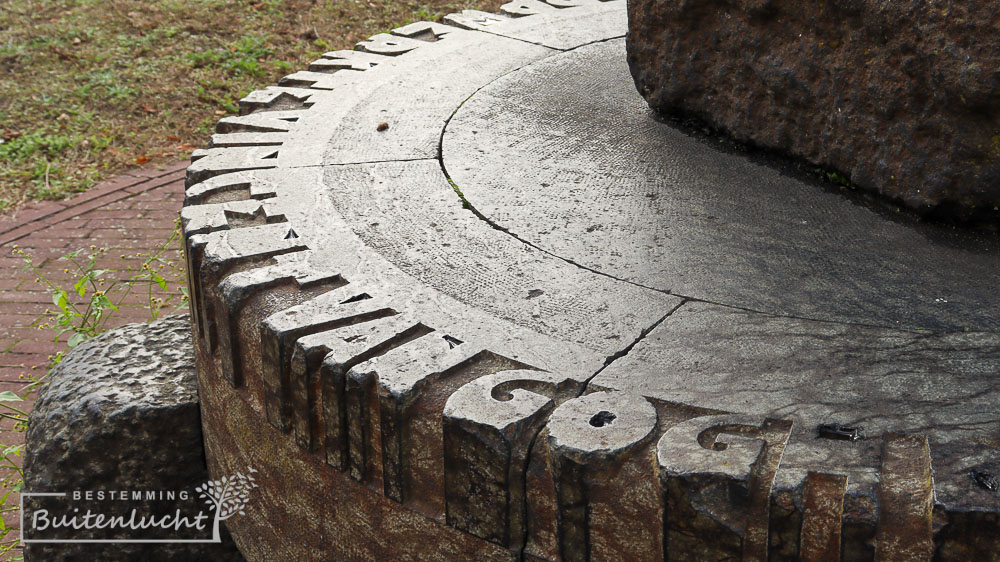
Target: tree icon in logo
229 496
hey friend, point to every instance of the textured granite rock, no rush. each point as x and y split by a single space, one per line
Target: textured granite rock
902 97
121 413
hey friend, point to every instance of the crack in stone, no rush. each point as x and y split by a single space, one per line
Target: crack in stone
488 32
360 162
642 335
468 205
687 298
521 554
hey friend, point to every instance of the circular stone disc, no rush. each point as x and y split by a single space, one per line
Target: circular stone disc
411 258
573 162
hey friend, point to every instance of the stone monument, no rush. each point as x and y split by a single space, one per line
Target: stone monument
458 294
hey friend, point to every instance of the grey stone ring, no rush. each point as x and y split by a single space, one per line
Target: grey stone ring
457 294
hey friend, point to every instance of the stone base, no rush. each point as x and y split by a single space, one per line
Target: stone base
119 413
457 293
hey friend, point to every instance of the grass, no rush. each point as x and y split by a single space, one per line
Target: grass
93 87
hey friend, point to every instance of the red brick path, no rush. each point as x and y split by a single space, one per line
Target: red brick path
129 215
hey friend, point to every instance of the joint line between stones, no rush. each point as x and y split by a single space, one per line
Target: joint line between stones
523 540
360 163
642 335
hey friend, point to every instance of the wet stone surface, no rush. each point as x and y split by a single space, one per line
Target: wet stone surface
602 183
525 319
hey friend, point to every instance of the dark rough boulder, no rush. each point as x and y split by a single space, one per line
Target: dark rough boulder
903 97
121 413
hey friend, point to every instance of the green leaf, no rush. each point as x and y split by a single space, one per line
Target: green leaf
59 299
76 339
104 302
81 286
12 450
8 396
160 281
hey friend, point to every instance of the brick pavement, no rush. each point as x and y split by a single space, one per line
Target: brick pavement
128 215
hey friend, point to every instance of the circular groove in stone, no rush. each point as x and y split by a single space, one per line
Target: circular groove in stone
574 163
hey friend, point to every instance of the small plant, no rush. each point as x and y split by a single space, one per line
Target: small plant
24 147
465 202
834 177
13 473
84 306
120 92
242 56
84 309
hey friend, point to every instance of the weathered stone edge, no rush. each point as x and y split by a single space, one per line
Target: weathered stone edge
497 426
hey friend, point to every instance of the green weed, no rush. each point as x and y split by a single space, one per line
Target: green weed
837 178
29 145
84 305
84 309
242 56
